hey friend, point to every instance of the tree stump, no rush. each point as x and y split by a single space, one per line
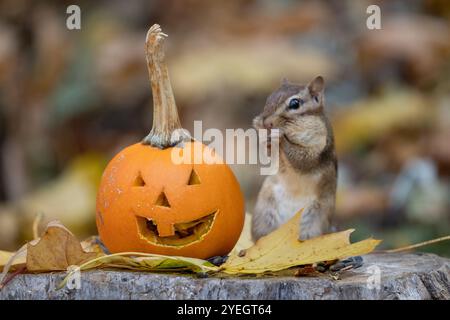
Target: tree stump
401 276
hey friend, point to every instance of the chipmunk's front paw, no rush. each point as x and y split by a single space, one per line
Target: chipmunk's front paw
308 235
309 229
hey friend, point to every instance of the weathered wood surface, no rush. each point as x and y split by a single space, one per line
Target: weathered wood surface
403 276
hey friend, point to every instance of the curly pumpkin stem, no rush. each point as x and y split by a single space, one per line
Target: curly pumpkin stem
166 131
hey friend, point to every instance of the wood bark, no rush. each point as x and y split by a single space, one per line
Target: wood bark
402 276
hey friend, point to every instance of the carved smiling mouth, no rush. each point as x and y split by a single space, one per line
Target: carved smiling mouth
185 232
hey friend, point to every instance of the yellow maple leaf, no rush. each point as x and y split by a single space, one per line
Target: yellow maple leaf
281 249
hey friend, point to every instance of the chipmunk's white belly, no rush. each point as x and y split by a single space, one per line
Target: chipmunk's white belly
293 193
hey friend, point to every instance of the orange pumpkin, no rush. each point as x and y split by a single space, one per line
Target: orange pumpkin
147 203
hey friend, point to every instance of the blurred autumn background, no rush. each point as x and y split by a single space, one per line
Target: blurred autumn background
71 99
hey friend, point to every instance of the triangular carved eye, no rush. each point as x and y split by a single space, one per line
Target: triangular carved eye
139 182
162 200
193 178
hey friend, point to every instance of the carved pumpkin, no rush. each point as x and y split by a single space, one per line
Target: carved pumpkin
147 203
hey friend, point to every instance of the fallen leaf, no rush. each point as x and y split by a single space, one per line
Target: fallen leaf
245 240
305 271
56 250
15 260
281 249
92 244
5 256
149 262
146 262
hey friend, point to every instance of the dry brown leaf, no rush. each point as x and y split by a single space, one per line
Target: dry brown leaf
57 249
281 249
5 256
91 244
12 261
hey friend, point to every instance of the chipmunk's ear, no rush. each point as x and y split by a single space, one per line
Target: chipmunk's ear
316 86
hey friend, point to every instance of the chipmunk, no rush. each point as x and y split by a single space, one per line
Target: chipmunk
307 166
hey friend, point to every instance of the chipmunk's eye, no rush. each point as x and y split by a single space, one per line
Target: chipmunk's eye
295 103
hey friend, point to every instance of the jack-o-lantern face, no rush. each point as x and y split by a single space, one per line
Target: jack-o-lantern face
158 225
147 203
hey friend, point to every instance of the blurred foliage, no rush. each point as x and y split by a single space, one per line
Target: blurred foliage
69 100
